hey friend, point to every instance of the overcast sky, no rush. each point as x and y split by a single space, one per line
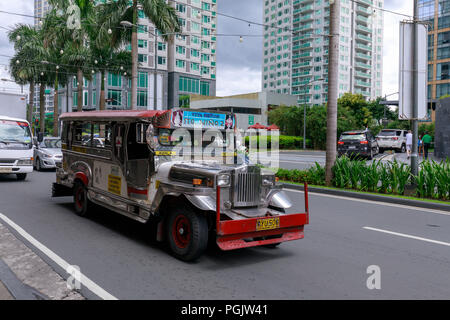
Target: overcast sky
238 64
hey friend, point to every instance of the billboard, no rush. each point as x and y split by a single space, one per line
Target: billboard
407 72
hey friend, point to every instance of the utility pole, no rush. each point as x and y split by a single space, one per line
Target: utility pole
134 57
415 128
333 70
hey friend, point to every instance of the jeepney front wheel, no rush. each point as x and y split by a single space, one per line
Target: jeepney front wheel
80 199
187 232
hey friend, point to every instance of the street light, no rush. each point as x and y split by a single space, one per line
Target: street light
304 113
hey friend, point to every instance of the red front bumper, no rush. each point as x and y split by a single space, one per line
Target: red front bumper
236 234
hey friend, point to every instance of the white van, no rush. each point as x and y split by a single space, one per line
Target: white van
16 147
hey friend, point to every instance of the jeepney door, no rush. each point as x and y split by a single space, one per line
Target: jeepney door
137 162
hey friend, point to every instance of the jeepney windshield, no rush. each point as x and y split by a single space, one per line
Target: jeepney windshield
196 138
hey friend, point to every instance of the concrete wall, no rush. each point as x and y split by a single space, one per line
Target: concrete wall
442 129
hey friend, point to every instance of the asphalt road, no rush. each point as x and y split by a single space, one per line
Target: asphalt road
330 263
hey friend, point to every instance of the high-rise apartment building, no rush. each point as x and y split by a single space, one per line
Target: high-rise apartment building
437 13
295 48
168 71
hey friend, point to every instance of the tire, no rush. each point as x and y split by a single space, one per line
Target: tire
403 149
370 157
21 176
80 199
381 150
38 164
187 232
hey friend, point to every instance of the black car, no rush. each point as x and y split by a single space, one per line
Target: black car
358 143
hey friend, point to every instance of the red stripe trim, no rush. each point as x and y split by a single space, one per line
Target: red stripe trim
137 191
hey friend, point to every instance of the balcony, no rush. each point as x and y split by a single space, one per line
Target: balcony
363 28
363 47
362 18
363 56
363 75
363 37
363 10
362 83
301 65
363 65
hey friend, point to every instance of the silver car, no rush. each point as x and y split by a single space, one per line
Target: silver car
392 139
47 153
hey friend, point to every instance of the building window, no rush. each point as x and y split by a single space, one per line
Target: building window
161 60
142 58
142 96
161 46
189 85
142 43
114 97
114 80
180 63
204 88
143 80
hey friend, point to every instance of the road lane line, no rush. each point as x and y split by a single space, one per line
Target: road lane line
88 283
408 236
380 203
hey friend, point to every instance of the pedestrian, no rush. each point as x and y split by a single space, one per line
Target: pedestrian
426 143
420 145
409 138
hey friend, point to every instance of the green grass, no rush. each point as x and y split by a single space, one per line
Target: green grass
372 193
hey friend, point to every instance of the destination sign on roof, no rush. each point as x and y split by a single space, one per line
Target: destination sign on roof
204 120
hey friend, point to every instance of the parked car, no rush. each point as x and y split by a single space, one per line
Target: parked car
47 153
358 143
392 139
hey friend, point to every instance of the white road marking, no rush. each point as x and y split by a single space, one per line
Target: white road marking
374 202
408 236
93 287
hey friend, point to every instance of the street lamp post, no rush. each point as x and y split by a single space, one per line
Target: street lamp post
304 112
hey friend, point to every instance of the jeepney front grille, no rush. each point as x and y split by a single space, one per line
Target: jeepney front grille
247 189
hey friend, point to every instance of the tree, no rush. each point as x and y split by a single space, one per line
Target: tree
359 107
23 70
80 21
161 14
56 36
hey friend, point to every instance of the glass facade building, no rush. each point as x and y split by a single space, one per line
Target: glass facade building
437 14
164 67
295 48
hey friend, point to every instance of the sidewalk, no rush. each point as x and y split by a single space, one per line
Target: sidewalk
4 293
25 276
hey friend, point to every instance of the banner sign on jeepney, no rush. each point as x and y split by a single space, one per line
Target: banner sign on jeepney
204 120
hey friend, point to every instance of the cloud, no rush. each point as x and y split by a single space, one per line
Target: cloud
8 21
391 43
237 80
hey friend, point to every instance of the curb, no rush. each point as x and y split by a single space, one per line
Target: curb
372 197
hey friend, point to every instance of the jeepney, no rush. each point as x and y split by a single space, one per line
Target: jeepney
179 169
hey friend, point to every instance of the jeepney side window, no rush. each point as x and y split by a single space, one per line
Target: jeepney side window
118 136
65 129
101 135
83 134
135 150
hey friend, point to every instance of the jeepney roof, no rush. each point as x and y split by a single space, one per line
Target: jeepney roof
112 115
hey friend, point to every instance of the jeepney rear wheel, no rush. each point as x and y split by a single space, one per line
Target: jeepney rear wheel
187 232
80 199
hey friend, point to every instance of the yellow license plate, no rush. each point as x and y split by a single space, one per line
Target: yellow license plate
267 224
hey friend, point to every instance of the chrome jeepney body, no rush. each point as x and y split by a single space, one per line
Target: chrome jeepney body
129 162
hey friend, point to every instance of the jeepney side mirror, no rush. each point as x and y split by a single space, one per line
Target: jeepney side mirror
40 137
140 133
35 142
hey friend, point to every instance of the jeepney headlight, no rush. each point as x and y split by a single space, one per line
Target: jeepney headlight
25 162
268 181
223 180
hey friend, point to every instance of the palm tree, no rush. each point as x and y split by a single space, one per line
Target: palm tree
161 14
78 53
56 34
22 69
30 51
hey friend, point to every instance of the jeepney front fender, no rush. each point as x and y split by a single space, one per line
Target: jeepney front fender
279 199
201 198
